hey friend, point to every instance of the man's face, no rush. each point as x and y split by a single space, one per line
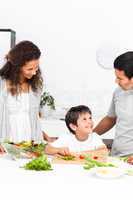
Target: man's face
122 80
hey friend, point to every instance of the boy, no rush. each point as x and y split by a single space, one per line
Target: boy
79 122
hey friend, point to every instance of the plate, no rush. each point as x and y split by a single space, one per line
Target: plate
109 172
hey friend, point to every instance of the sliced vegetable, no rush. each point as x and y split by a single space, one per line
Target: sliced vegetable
36 149
68 157
90 163
82 157
124 158
128 159
95 157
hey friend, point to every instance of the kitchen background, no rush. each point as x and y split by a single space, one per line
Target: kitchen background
74 37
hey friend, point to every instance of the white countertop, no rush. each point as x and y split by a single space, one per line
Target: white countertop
63 182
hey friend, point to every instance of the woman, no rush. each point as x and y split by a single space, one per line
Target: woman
21 85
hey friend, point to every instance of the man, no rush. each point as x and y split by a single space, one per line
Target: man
121 109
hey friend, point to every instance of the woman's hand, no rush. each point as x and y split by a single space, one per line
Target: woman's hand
48 138
2 151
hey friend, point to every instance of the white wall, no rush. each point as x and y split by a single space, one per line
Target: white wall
69 32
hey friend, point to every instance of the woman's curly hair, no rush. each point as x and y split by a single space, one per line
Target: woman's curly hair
17 57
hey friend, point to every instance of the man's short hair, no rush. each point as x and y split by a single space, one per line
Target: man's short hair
124 62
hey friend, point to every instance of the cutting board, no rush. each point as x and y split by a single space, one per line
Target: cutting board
99 155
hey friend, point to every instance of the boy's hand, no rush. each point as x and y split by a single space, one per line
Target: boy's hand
64 151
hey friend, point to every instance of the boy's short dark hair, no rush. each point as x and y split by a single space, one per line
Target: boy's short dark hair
124 62
73 114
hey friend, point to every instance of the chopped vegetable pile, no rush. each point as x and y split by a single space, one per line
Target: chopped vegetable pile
90 163
39 164
37 149
68 157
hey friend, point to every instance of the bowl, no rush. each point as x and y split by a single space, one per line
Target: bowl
109 172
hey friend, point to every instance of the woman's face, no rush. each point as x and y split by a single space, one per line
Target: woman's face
30 69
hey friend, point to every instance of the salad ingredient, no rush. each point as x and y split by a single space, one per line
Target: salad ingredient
128 159
82 157
68 157
90 163
95 157
36 149
38 164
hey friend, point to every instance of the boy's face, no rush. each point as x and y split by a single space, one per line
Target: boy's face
122 80
84 126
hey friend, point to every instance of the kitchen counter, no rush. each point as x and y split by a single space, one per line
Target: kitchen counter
63 182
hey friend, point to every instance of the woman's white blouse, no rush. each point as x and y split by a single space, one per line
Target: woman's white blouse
18 108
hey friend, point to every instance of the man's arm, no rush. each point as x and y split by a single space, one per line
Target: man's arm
105 125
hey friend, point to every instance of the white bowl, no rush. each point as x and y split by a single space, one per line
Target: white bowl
109 172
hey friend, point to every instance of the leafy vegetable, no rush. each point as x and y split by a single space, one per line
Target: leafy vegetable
90 163
38 164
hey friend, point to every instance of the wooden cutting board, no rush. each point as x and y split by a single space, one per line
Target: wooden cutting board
99 155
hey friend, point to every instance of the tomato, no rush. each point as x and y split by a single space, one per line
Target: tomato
95 157
36 154
81 157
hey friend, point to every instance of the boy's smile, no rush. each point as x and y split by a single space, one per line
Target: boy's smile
84 126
